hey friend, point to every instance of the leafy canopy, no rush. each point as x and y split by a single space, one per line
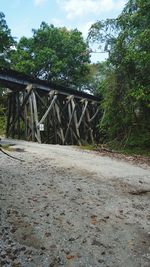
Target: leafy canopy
126 88
55 54
6 42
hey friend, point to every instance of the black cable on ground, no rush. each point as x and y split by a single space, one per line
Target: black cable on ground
10 155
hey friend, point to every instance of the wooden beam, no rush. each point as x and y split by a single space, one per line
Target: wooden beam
69 124
83 113
40 98
9 114
94 116
29 89
38 135
12 128
26 122
48 110
59 122
31 118
90 129
18 113
75 119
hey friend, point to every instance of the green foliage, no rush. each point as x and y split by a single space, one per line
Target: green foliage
6 42
6 45
2 124
126 87
3 101
54 54
95 77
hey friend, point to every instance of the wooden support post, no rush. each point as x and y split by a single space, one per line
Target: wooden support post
26 123
69 114
54 122
75 120
29 89
90 129
94 116
31 118
37 135
12 128
41 100
69 124
9 114
82 115
25 119
59 122
18 114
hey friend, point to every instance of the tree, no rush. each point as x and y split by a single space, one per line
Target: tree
126 94
95 78
6 42
54 54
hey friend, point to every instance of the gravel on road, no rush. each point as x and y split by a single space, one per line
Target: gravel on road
62 206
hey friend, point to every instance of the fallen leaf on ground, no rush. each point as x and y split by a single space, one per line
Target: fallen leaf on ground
93 219
70 257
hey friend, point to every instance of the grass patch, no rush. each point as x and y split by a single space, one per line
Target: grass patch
136 151
129 151
2 125
88 147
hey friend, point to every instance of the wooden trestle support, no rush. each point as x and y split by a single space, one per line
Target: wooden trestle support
67 119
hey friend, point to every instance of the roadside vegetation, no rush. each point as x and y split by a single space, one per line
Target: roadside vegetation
3 99
122 81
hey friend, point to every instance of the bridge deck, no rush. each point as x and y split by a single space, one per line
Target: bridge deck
18 81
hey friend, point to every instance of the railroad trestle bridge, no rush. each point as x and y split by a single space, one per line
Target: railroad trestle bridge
49 113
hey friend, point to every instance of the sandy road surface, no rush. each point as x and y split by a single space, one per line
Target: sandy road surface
66 207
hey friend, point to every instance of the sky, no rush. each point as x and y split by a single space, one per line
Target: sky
24 15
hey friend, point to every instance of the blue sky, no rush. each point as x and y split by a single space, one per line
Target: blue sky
24 15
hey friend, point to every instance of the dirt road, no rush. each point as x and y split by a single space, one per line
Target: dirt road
65 207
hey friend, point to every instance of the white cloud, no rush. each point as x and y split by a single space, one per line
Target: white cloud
75 8
39 2
84 28
57 22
